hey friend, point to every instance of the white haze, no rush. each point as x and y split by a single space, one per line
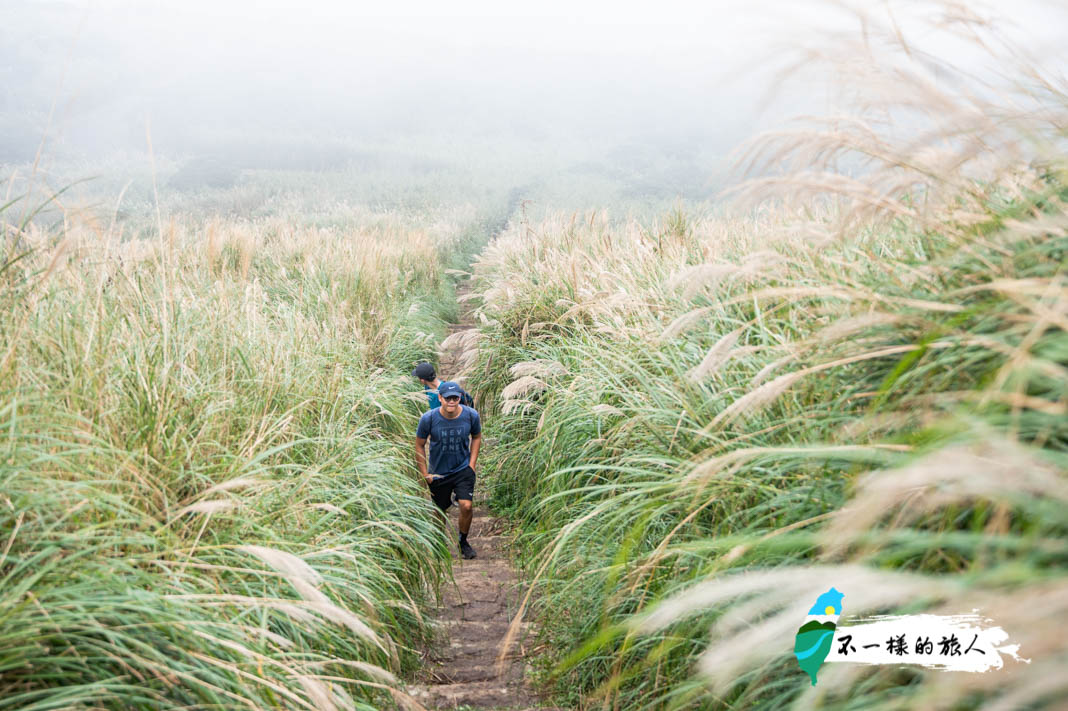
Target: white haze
243 80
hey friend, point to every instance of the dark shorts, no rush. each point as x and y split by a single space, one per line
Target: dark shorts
461 482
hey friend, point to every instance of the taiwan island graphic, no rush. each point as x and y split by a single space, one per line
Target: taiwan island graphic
815 637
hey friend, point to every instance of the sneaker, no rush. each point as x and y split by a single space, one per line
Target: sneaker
467 551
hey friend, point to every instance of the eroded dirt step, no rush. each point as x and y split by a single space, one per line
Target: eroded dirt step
480 695
461 670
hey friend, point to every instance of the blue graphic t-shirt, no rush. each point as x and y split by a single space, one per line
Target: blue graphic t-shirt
450 445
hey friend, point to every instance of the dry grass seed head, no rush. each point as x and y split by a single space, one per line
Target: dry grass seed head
717 355
683 323
605 409
509 407
846 327
770 368
207 507
289 565
995 469
755 400
231 484
541 367
692 280
523 386
317 692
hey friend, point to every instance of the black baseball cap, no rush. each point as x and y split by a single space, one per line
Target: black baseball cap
424 370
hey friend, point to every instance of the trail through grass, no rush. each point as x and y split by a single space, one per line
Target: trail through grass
461 667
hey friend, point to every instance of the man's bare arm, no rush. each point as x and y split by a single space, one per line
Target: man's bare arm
420 458
476 442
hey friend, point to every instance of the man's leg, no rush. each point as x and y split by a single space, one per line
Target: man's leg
441 496
465 526
466 514
465 489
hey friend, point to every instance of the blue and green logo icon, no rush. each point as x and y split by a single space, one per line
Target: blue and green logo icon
815 638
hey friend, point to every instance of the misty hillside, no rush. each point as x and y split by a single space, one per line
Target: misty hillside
568 356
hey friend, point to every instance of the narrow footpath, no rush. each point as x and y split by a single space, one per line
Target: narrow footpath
461 671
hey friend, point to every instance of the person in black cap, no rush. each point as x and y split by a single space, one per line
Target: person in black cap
424 372
455 434
429 378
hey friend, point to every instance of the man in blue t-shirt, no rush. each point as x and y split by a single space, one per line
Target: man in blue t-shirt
455 434
426 375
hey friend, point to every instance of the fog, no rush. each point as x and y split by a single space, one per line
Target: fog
328 85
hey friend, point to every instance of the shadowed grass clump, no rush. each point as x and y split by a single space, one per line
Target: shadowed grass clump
206 496
704 423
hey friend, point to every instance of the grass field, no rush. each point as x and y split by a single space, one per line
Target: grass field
853 373
704 438
207 495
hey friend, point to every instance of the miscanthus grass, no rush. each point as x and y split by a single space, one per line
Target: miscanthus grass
206 499
706 422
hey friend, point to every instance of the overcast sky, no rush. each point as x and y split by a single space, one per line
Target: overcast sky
553 68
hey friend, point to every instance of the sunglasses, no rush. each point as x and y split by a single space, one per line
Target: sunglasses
452 398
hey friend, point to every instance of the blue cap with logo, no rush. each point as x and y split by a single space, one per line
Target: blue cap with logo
448 388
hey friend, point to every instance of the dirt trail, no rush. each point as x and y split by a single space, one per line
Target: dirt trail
461 671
